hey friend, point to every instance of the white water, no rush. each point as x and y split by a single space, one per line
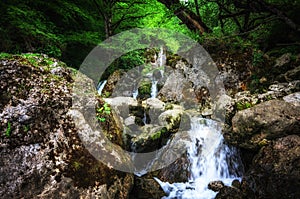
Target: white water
154 89
135 93
161 60
101 86
209 161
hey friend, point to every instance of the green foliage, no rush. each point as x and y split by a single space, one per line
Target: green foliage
101 112
8 129
49 27
258 58
5 56
243 105
77 165
26 128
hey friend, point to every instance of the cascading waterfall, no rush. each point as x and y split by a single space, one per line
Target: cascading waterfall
135 92
209 161
160 61
101 86
154 88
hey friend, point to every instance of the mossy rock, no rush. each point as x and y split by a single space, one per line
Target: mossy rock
152 138
144 89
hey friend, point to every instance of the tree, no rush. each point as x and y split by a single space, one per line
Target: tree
193 21
117 12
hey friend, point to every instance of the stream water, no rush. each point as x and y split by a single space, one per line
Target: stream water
210 160
101 86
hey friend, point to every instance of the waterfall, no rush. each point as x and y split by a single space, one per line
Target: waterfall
101 86
154 88
161 60
209 161
135 93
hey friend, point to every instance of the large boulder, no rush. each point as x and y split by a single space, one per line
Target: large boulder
173 87
42 155
275 172
254 127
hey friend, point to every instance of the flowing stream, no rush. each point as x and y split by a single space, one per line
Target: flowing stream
101 86
210 160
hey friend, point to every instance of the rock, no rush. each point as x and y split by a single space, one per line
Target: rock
293 99
216 186
146 188
282 89
173 87
230 193
243 100
266 121
121 105
275 171
42 155
236 183
112 81
144 89
283 60
150 138
154 103
171 119
178 171
154 108
290 75
129 121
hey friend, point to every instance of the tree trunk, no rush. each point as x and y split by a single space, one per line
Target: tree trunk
188 17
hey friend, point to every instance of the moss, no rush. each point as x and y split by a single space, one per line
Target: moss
77 165
145 87
5 56
159 134
169 107
263 142
156 135
243 105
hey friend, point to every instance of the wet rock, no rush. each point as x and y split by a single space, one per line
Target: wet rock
230 193
146 188
254 127
236 183
144 89
171 119
178 171
275 171
216 186
150 138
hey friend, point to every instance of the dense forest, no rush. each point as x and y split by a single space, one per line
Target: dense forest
153 125
60 28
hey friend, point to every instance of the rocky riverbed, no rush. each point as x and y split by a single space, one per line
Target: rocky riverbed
43 154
